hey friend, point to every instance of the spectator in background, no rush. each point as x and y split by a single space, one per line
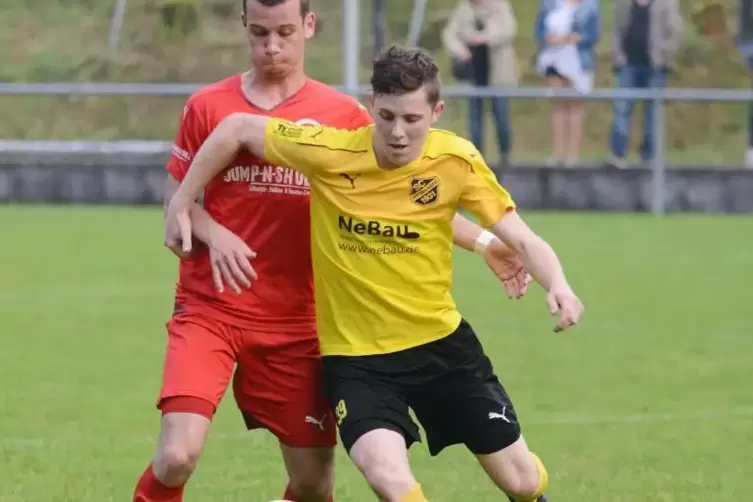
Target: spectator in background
748 159
567 32
647 35
480 35
745 42
749 150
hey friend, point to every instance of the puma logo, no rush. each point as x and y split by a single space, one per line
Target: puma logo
311 420
350 178
493 415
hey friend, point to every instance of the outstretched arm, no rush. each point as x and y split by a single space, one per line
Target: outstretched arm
236 132
193 129
279 141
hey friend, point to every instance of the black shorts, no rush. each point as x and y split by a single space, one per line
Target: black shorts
449 384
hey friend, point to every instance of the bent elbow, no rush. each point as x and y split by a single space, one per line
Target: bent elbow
235 124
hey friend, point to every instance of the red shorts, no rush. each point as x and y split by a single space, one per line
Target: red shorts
277 382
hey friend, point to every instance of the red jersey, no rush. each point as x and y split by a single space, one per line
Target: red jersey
265 205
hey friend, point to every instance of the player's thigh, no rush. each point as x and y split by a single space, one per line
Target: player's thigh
372 413
279 387
382 457
363 400
485 419
198 364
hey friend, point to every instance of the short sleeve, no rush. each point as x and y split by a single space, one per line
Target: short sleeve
482 195
306 148
192 132
360 117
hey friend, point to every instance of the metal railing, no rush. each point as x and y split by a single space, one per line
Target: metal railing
659 96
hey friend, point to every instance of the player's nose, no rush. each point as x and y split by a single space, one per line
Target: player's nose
273 46
397 132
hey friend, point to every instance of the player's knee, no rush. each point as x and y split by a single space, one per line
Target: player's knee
516 471
388 479
181 441
178 454
527 481
175 462
312 490
311 472
525 486
315 484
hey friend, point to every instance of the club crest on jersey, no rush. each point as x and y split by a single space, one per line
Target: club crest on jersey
424 191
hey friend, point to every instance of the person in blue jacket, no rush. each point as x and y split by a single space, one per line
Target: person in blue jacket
567 32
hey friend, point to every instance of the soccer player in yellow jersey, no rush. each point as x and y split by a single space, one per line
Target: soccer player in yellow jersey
382 203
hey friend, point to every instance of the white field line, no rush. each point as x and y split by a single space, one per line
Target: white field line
552 419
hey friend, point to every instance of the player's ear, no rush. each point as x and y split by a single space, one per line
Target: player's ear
309 25
438 109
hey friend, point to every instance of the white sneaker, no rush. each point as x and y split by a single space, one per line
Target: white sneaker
554 161
749 158
618 162
571 161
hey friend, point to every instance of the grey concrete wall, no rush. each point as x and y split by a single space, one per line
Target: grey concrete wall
117 175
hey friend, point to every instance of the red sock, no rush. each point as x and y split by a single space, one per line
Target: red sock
151 489
289 495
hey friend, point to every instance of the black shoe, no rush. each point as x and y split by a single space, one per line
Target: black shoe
540 499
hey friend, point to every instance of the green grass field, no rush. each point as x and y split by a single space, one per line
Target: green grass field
649 399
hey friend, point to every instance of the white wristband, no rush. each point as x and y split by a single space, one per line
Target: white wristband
482 242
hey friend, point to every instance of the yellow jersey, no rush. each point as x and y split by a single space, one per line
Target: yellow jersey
382 239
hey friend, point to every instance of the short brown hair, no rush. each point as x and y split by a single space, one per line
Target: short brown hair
402 70
305 5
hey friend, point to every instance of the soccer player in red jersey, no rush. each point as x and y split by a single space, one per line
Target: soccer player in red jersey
263 337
